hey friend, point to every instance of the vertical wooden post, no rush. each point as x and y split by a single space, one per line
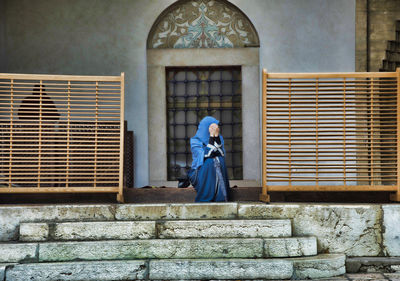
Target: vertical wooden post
290 132
316 133
264 195
344 132
96 133
120 196
396 196
372 178
11 135
68 133
40 133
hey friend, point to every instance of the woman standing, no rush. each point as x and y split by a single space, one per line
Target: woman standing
208 174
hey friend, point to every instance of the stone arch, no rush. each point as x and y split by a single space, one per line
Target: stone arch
202 24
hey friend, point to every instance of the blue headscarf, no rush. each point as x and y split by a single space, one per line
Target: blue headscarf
200 140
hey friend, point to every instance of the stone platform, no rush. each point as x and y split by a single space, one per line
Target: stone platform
191 241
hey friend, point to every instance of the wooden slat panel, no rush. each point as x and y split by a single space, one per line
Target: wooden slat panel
61 133
330 131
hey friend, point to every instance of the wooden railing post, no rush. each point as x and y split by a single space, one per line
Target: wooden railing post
264 195
120 195
396 196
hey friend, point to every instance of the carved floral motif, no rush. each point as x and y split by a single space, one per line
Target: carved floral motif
202 24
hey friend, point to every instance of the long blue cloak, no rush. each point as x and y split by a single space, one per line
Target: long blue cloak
208 176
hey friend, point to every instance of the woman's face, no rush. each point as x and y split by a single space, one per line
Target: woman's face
213 129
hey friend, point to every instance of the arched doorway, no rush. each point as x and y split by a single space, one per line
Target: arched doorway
203 59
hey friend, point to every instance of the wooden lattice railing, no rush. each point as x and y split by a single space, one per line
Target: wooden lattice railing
331 132
61 134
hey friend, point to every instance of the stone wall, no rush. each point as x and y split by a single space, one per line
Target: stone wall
101 37
356 230
382 25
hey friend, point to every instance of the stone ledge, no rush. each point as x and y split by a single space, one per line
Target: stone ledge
12 216
225 229
221 269
22 252
104 230
33 232
91 271
176 211
321 266
290 247
372 264
151 249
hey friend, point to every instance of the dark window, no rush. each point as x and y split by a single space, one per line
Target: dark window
193 93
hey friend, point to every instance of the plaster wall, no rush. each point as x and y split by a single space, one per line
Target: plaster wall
3 65
99 37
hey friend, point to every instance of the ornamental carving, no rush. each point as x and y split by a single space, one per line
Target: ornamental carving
202 24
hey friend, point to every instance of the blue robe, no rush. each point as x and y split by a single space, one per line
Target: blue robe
208 176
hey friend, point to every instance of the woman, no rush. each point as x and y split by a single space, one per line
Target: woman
208 174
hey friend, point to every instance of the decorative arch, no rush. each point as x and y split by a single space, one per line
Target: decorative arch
202 24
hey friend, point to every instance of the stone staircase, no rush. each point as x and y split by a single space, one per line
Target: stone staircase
159 242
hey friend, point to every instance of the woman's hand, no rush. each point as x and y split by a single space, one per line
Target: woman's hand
214 130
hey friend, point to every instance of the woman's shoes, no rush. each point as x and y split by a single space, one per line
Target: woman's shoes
183 182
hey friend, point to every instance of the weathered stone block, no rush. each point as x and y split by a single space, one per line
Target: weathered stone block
221 269
17 252
158 248
104 270
391 229
104 230
321 266
290 247
12 216
224 228
176 211
371 264
395 268
2 271
33 231
351 229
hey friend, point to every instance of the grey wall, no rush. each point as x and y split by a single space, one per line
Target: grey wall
101 37
304 35
3 65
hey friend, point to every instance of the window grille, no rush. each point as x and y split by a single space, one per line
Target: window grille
192 94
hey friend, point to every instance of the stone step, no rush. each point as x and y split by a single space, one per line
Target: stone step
178 248
321 266
181 269
12 216
225 228
158 249
90 271
220 269
87 231
21 252
152 229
